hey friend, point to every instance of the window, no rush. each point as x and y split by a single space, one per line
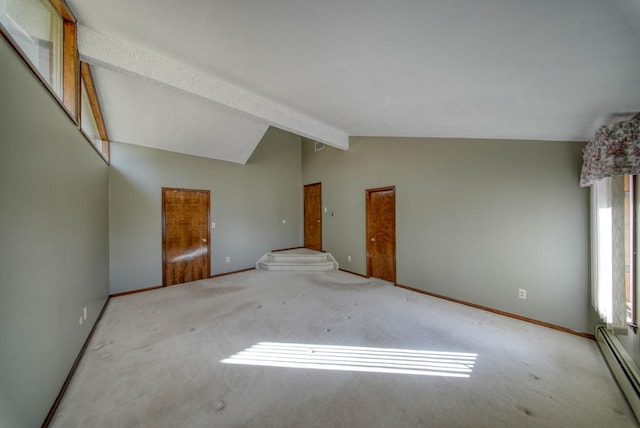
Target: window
613 250
91 121
630 187
44 34
36 27
88 120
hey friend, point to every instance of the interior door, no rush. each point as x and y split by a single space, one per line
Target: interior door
185 235
313 216
381 233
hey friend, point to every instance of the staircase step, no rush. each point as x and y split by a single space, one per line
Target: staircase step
298 259
289 257
297 265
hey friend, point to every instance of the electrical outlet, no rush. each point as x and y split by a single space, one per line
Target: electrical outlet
522 294
80 321
228 259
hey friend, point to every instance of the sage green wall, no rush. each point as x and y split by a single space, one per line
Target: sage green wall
248 204
54 251
476 219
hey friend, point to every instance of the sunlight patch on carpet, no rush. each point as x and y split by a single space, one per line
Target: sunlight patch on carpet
356 358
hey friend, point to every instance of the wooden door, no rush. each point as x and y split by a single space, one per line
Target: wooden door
185 235
381 233
313 216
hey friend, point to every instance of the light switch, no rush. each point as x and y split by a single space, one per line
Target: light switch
325 209
213 225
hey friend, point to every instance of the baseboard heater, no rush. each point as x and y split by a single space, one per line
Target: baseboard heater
622 366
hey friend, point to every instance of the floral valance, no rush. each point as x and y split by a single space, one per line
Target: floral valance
615 150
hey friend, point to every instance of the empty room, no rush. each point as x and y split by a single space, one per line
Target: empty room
319 214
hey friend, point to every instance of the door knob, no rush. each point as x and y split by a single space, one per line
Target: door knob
204 239
373 239
317 221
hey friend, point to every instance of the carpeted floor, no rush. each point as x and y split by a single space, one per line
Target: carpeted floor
156 360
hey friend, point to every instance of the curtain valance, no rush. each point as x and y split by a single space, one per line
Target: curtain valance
614 150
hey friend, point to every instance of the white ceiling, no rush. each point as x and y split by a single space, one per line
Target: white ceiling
208 77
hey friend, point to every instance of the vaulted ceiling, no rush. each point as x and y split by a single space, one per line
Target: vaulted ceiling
209 77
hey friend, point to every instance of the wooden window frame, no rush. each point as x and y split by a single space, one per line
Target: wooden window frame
69 100
71 69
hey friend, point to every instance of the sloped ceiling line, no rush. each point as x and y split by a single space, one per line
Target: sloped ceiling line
127 58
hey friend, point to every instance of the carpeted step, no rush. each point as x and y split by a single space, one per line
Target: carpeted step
293 257
297 265
297 260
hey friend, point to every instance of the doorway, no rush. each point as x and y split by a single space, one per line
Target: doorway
313 216
381 233
185 235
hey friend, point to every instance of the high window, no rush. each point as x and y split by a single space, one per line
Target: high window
91 121
88 120
44 33
36 27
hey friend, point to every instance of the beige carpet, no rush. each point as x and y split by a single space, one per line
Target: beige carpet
330 349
